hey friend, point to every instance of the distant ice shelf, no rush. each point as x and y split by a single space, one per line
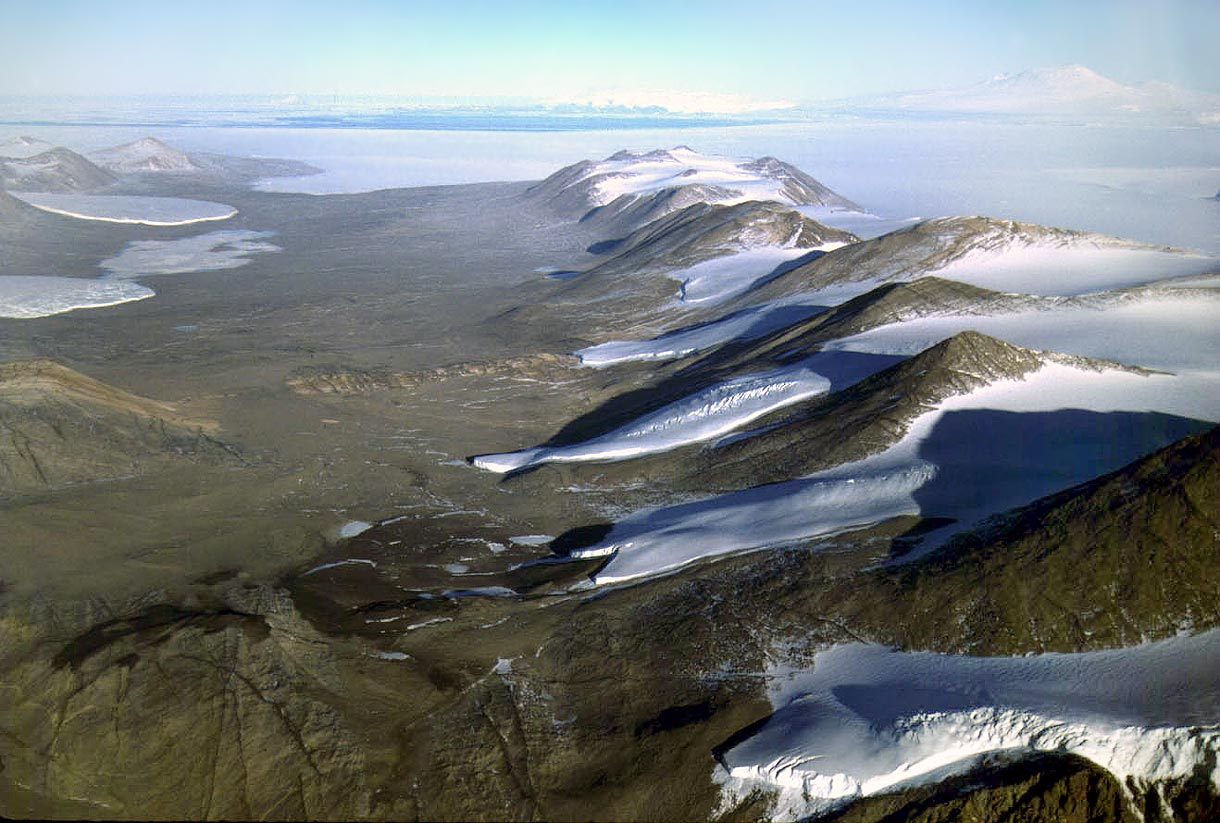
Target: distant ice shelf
121 208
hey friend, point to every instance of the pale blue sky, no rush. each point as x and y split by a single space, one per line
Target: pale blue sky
770 49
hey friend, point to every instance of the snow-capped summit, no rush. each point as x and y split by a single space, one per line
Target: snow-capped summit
54 170
677 177
21 147
1066 90
1058 84
147 154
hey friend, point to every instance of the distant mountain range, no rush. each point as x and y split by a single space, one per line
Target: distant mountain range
1071 91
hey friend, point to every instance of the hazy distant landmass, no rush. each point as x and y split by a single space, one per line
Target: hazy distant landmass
1064 93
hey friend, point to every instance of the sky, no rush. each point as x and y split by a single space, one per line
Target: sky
763 50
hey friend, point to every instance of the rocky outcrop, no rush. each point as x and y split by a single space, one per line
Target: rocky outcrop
1119 560
60 428
352 380
227 709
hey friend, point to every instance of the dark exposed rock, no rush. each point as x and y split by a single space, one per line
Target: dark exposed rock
1048 788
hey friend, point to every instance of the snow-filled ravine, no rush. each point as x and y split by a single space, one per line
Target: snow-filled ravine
1080 267
719 279
864 719
748 324
745 324
27 297
1157 329
703 415
122 208
992 449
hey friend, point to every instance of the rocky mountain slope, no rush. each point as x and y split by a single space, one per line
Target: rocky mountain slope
647 274
143 156
632 188
54 170
1000 254
813 564
60 428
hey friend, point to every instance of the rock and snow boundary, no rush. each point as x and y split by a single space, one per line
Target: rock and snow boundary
865 719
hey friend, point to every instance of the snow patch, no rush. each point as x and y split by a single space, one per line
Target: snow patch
354 561
353 528
1086 265
720 278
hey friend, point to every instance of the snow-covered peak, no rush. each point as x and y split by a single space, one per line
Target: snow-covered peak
630 175
23 147
1066 90
1061 83
147 154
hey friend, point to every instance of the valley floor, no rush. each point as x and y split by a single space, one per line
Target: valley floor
248 571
